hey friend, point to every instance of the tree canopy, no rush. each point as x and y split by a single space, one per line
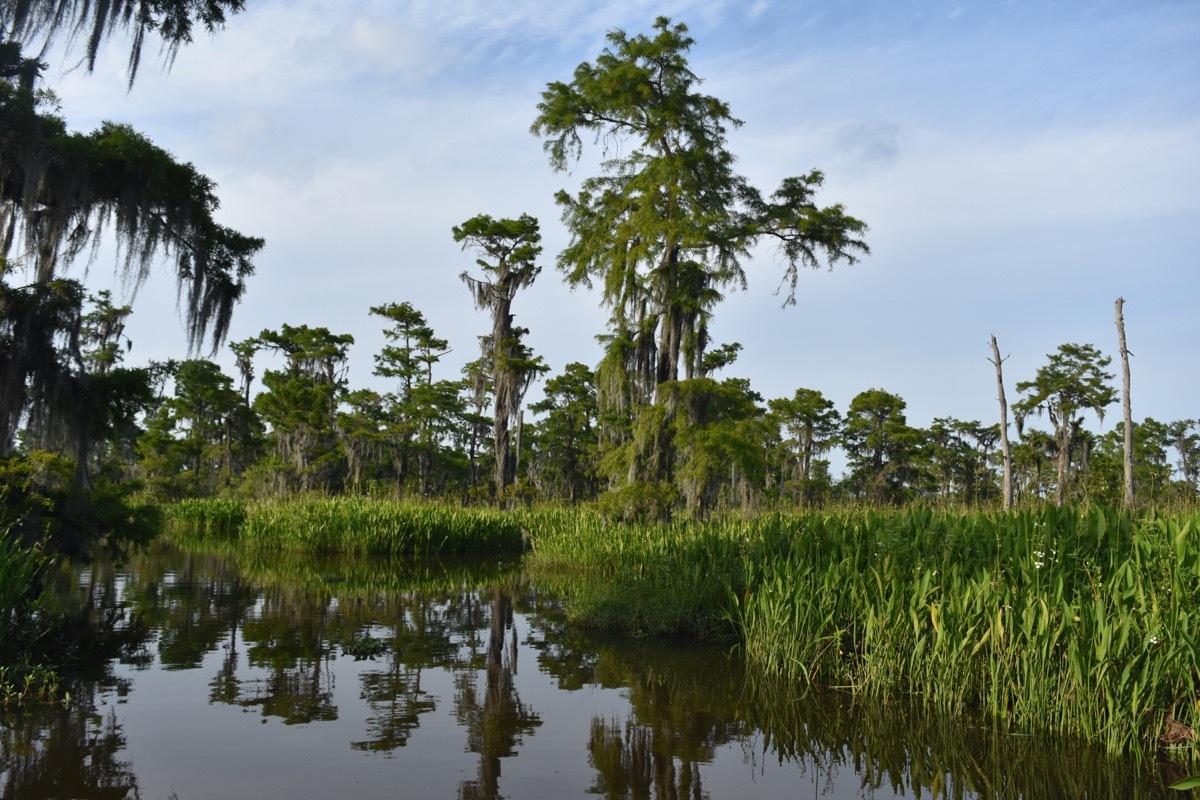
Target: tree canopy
665 227
1073 381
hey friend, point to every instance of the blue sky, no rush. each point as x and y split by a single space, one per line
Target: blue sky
1021 165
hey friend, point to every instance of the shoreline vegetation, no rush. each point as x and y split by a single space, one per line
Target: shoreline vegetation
1077 622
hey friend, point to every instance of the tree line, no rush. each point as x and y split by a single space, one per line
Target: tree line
289 421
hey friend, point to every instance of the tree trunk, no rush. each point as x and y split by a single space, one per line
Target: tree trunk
500 447
1004 448
1062 437
1125 403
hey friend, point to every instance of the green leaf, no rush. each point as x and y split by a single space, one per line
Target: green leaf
1191 782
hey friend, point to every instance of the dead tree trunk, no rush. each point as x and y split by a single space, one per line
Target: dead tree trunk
1004 448
1125 403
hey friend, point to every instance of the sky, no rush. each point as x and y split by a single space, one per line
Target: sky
1021 165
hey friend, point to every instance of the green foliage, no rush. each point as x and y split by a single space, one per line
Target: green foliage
23 622
565 441
68 188
664 227
421 417
1074 381
26 684
41 505
641 578
1079 623
209 518
641 501
20 593
1190 782
301 403
202 438
352 525
812 424
717 439
507 250
1103 481
39 324
880 446
957 455
1075 623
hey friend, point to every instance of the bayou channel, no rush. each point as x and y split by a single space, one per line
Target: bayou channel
273 676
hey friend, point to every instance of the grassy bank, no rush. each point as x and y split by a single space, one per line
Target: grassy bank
354 525
1082 623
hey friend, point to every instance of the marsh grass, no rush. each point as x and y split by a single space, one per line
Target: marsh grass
213 518
1078 623
353 525
968 756
639 579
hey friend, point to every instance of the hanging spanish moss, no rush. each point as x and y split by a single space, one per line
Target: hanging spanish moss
509 247
62 191
94 21
39 338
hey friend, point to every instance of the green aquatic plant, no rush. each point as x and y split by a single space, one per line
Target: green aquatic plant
1074 622
207 517
356 525
27 684
365 647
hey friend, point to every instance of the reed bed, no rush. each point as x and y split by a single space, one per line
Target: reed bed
1081 623
213 518
638 579
353 525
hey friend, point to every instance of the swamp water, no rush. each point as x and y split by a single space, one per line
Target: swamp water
207 676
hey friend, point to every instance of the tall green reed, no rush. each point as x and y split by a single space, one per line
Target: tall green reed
1076 622
357 525
1073 622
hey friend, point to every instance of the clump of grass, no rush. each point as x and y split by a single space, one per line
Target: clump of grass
1078 623
22 623
211 518
640 579
354 525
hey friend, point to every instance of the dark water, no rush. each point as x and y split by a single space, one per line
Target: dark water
201 676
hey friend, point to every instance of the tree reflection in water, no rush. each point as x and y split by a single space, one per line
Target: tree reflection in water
685 707
397 700
496 725
61 753
632 763
289 639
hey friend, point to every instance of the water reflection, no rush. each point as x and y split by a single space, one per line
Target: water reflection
496 723
443 702
65 754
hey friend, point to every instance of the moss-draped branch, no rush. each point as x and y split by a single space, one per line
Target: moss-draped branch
60 191
40 22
